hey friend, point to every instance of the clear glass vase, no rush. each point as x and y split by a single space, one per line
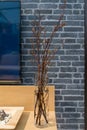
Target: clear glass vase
41 108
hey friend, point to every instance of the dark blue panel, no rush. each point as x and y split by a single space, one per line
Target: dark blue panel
10 40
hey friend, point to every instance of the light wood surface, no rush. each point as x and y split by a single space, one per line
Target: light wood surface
22 96
27 122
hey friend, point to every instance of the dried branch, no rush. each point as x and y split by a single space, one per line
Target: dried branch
43 56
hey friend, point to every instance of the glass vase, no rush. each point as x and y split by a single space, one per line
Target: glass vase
41 109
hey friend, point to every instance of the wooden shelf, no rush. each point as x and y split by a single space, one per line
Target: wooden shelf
23 95
27 122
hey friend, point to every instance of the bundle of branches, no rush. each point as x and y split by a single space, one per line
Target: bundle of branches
43 56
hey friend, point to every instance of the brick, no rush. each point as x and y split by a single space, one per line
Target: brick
49 23
81 104
68 6
65 75
32 17
71 115
68 58
68 12
68 69
58 115
66 46
68 104
24 34
80 110
23 17
70 40
29 6
71 92
49 1
28 80
75 86
76 81
69 109
51 69
25 57
64 63
60 120
63 81
24 52
75 121
58 41
28 74
73 23
69 1
54 17
77 6
80 1
29 69
57 92
30 1
82 81
50 80
69 35
28 63
42 11
75 12
73 98
81 69
47 6
82 12
58 98
81 34
73 29
81 40
60 52
77 75
25 23
59 109
52 75
82 126
77 63
75 52
69 127
22 11
23 29
78 17
27 11
60 86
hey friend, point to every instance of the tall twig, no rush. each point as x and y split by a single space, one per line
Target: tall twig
43 56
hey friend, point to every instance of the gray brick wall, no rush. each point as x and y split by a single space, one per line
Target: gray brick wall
67 72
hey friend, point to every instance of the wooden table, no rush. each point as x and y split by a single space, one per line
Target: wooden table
26 122
22 95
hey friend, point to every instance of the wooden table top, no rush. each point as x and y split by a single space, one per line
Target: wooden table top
23 95
26 122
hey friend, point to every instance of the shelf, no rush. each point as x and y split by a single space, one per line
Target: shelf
27 122
23 95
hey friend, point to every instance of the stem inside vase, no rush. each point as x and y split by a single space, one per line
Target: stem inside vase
41 107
